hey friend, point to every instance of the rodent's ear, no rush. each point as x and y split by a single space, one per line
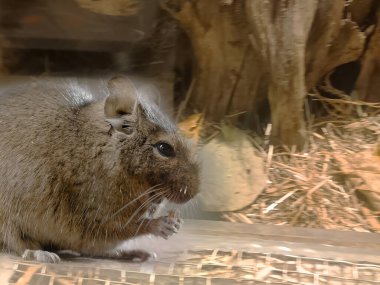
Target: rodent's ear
122 97
152 93
121 125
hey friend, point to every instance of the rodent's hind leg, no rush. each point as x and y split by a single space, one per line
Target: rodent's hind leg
133 255
41 256
21 243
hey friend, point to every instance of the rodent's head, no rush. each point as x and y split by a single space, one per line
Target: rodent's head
150 146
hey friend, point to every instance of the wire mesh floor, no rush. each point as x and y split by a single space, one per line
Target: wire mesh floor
208 261
206 267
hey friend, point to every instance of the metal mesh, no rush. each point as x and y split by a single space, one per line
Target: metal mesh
203 267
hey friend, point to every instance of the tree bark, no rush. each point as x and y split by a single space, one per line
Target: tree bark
279 34
247 50
368 84
225 69
332 41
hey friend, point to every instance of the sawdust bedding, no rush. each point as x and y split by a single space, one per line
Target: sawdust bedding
334 183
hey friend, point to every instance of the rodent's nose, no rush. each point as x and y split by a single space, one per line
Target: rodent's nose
190 189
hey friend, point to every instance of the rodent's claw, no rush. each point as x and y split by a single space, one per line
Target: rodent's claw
153 256
41 256
167 226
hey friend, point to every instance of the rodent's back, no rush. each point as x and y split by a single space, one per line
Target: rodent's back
38 119
45 135
39 109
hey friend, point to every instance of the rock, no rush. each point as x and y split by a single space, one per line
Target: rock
232 173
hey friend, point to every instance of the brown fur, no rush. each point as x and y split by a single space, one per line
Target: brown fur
64 172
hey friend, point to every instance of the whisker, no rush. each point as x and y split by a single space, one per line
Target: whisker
142 222
146 192
149 200
136 232
149 221
141 207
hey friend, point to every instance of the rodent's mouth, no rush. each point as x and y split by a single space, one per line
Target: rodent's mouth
174 195
180 196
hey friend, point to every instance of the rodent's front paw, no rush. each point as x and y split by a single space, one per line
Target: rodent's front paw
166 226
41 256
152 211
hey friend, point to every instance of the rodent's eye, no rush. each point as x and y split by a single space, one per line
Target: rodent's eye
127 128
165 149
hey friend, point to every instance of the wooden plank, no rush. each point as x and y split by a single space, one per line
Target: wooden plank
284 233
67 21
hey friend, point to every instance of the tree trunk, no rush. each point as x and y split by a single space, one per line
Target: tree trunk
247 50
332 41
226 76
279 34
368 84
